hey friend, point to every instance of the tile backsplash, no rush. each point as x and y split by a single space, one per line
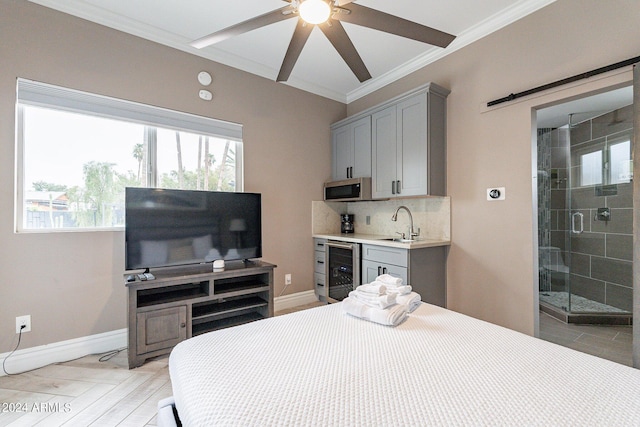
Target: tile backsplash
432 215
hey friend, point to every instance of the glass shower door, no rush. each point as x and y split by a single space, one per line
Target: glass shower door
599 214
553 239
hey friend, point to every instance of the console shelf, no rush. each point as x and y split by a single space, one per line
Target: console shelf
226 322
181 303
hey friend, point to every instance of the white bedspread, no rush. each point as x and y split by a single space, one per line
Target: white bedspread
321 367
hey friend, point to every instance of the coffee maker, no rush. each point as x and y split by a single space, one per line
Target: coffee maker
346 223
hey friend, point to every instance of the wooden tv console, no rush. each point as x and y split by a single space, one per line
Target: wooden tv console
184 302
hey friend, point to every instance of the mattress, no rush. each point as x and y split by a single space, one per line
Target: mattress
322 367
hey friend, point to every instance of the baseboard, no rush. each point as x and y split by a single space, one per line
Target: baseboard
37 357
294 300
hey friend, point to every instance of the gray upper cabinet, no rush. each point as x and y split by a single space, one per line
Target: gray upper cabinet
408 145
351 148
400 144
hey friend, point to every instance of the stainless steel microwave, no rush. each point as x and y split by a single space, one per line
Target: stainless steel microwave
348 190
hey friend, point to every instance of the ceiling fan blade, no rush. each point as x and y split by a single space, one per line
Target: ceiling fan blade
342 43
371 18
245 26
300 36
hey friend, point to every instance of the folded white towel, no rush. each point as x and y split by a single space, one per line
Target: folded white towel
410 301
373 288
399 290
391 316
388 279
378 301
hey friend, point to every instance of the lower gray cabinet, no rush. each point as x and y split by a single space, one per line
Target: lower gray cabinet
373 269
159 329
319 275
423 268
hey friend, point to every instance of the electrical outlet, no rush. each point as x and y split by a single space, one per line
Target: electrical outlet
23 321
287 279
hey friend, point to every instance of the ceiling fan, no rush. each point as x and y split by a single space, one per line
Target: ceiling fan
328 16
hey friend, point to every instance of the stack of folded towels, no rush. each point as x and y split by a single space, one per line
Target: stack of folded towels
385 300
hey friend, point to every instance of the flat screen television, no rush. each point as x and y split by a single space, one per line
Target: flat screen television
165 228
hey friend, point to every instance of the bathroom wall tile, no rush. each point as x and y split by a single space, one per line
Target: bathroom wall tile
616 121
580 264
624 198
619 296
585 198
558 239
553 220
619 246
560 178
554 138
588 288
581 133
558 199
559 157
621 222
588 243
612 270
563 219
559 282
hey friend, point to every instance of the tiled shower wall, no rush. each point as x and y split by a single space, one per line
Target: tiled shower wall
601 256
544 207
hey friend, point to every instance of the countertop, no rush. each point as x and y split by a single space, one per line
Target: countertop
374 239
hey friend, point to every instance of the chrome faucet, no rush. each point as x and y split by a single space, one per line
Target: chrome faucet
412 233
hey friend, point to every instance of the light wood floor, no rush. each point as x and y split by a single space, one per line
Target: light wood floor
87 392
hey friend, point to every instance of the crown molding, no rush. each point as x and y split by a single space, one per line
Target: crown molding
478 31
84 10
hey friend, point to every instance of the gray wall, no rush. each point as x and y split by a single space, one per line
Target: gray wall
490 266
71 283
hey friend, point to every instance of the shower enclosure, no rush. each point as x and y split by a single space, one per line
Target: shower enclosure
585 217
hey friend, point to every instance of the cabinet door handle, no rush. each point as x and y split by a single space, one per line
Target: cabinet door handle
393 187
347 172
320 284
183 325
351 172
320 262
384 270
398 187
379 270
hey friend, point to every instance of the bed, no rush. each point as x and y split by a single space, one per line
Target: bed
323 367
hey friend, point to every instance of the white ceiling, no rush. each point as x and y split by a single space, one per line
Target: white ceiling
584 108
319 69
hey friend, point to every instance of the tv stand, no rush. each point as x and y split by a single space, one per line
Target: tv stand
184 302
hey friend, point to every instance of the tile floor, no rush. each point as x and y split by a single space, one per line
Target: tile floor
611 342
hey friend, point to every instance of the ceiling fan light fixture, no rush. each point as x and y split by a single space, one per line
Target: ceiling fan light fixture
314 11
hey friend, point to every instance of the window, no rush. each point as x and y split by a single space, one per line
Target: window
77 152
606 163
620 161
591 168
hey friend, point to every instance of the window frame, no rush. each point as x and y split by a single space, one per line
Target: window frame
37 94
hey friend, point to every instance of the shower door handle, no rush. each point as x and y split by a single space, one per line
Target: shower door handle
579 215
